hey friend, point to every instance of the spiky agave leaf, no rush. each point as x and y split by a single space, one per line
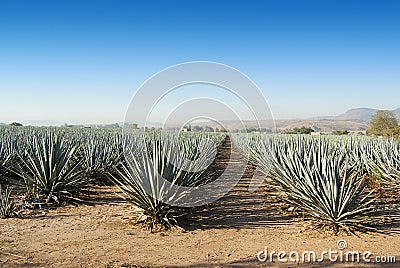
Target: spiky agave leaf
384 162
7 151
100 153
7 205
152 171
49 167
316 177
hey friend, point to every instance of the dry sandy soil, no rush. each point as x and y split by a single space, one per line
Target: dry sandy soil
227 233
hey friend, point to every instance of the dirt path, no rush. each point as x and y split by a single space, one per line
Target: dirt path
227 233
239 208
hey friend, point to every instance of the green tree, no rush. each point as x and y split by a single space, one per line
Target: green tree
384 123
341 132
302 130
16 124
305 130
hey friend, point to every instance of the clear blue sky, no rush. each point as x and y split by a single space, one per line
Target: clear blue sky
81 61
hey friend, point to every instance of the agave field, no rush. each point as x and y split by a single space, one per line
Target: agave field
333 179
336 182
48 166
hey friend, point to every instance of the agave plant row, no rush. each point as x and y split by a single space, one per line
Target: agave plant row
51 164
155 167
54 163
326 177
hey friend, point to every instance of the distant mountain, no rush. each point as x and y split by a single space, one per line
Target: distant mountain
361 114
356 114
397 112
353 119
